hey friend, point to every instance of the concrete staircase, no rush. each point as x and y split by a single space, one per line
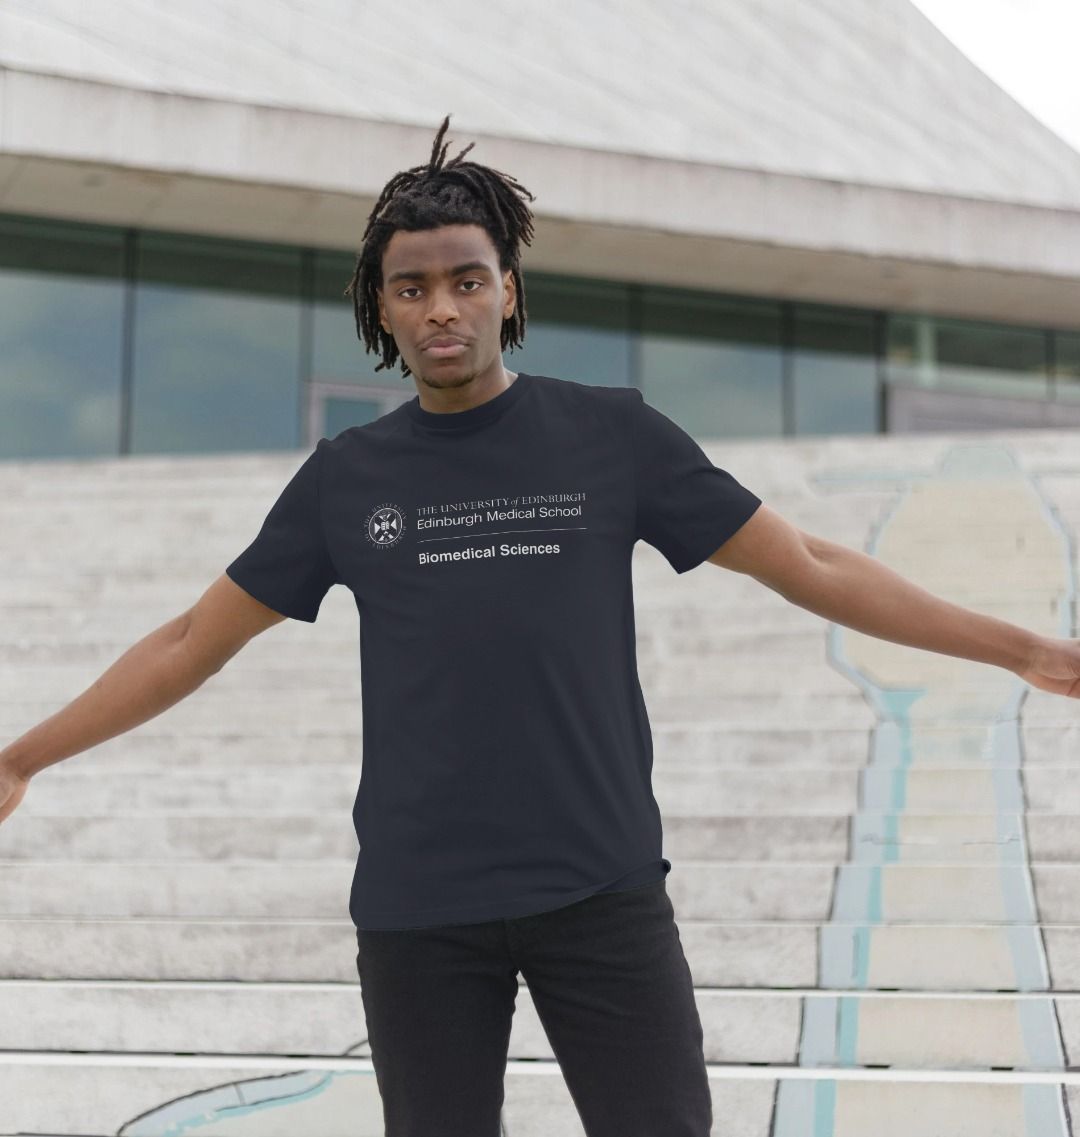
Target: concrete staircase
876 850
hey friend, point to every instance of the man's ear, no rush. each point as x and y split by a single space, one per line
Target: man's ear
511 289
384 323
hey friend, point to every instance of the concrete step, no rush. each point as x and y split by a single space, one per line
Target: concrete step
720 952
812 1028
803 878
210 489
289 711
664 638
118 608
153 748
140 586
40 615
35 661
871 836
82 642
260 715
767 746
54 625
153 1096
92 787
56 675
712 890
247 712
318 680
776 745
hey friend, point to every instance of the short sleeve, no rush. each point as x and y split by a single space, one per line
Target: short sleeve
288 567
686 506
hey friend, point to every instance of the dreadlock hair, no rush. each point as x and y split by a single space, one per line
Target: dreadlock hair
426 197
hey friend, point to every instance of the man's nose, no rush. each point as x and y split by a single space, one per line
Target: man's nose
442 308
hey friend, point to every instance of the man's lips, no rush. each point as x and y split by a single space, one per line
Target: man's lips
445 347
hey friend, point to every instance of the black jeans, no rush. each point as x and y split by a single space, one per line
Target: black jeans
611 987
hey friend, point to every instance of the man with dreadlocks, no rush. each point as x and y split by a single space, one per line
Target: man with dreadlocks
505 815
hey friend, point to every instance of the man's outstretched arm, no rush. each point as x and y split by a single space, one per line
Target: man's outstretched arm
861 592
161 669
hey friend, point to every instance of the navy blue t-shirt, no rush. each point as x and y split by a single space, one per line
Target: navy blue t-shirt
507 753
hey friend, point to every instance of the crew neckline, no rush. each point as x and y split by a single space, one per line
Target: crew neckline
484 412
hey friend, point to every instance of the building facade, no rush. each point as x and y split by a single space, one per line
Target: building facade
834 224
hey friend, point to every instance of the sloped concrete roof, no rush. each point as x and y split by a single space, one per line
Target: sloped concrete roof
761 147
868 92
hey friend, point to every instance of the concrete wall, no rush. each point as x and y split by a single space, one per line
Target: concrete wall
891 173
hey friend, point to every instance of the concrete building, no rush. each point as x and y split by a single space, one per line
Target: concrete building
800 226
777 218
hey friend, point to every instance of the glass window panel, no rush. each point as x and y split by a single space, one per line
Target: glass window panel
1067 349
962 355
339 414
217 346
575 329
834 371
713 364
61 327
338 353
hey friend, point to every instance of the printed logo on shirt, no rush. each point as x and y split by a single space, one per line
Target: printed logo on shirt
385 525
481 519
489 517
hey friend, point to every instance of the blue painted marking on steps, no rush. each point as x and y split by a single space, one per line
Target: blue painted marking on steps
824 1107
818 1044
885 786
222 1103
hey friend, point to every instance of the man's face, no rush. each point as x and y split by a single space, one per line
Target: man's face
445 284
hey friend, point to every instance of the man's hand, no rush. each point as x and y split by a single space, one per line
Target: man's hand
12 788
1054 666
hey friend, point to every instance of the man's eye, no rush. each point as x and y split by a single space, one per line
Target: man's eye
412 289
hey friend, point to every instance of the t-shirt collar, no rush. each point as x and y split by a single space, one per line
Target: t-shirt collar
481 414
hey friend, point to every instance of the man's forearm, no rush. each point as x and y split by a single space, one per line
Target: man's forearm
860 592
149 677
